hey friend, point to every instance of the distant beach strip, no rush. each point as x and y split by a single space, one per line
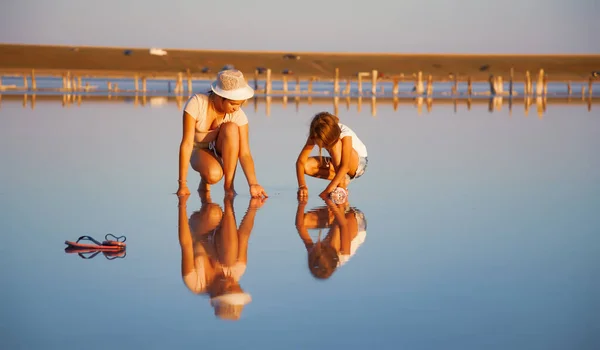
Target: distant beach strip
361 73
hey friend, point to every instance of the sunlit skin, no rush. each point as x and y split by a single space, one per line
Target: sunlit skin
231 143
343 160
230 244
343 226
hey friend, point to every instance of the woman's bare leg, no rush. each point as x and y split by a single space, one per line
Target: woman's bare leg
321 169
336 158
228 145
209 168
226 240
327 169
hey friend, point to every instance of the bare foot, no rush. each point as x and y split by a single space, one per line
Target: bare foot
230 193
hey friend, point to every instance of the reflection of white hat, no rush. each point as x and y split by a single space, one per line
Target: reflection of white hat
231 85
230 306
231 299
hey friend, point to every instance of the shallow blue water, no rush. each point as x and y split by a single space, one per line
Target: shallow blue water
482 231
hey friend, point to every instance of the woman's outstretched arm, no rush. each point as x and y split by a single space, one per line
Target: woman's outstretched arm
247 163
185 151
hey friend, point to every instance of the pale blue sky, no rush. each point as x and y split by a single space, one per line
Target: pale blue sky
411 26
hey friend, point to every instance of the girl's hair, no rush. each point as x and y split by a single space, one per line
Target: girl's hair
324 130
322 260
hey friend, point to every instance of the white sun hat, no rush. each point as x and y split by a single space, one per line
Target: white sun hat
230 84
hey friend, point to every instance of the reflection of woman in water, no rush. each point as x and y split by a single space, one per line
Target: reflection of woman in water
347 231
214 253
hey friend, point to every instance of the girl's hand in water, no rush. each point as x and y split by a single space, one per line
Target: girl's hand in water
256 202
183 190
257 190
303 193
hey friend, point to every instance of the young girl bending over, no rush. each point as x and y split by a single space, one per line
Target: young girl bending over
348 155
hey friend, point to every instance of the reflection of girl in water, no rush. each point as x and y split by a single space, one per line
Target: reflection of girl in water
214 253
347 231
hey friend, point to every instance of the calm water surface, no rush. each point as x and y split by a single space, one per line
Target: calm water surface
479 231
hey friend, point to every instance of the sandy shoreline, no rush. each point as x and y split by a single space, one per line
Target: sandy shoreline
111 61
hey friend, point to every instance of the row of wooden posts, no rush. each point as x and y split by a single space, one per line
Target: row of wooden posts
496 84
72 83
495 103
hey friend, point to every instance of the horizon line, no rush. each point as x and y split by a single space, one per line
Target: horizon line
335 53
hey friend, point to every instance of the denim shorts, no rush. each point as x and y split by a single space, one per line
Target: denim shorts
360 170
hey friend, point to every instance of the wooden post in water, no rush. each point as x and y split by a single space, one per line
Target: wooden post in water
510 83
569 88
310 85
136 83
255 79
297 87
455 84
68 81
336 82
374 82
373 106
359 84
395 87
540 83
190 86
336 104
285 84
492 81
348 86
180 83
33 81
268 105
143 86
418 88
64 82
582 92
528 90
419 103
469 86
268 82
499 85
429 85
79 85
25 82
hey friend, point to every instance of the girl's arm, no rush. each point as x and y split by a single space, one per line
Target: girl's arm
344 166
301 161
185 151
301 227
342 223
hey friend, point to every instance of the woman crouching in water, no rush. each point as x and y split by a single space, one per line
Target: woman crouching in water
215 136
